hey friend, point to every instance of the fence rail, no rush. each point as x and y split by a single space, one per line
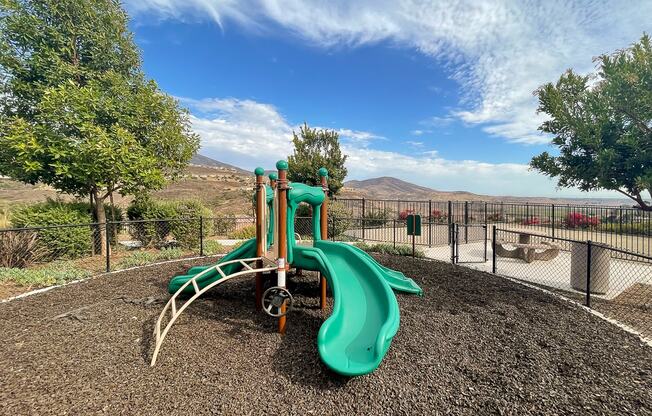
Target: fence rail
613 280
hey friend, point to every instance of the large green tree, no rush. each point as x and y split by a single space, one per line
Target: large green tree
76 111
602 125
314 149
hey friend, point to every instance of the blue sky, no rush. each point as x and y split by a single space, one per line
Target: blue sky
438 94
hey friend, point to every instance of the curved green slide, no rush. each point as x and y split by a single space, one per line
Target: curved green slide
365 317
246 250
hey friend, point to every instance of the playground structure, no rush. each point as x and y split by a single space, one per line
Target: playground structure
365 315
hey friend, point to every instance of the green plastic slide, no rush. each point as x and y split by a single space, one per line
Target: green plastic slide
246 250
365 318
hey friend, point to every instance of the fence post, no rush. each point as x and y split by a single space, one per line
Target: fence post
493 249
107 236
553 221
363 215
485 213
484 227
466 222
451 238
450 220
588 273
430 223
394 222
201 235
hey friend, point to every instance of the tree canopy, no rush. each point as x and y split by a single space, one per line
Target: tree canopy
314 149
602 125
76 111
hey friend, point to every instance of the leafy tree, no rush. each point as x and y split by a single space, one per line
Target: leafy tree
76 111
314 149
602 125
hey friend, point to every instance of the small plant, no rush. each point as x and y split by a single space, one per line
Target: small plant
404 214
58 272
579 220
212 247
439 216
19 249
496 217
385 248
244 233
531 221
377 218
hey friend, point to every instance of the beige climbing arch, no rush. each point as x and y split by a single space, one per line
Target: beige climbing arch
268 265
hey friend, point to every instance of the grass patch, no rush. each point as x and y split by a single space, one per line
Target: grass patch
213 247
143 258
384 248
55 273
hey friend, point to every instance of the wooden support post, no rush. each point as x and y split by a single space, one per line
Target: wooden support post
260 234
283 266
323 217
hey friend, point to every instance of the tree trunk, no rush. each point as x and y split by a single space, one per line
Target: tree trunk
100 217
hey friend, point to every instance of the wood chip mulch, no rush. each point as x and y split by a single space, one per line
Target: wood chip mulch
474 344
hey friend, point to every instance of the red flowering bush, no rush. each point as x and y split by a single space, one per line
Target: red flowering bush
531 221
404 214
579 220
438 215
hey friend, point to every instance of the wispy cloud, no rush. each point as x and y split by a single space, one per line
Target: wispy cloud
247 133
498 51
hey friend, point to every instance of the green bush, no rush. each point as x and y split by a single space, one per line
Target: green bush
54 273
179 220
186 230
244 233
212 247
386 248
224 224
377 218
19 249
627 228
339 218
57 243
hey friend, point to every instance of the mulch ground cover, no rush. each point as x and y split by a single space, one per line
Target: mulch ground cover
474 344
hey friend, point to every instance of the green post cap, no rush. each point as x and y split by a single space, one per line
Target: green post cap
273 176
259 171
282 165
323 172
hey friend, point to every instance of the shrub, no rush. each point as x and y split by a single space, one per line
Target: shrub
531 221
213 247
386 248
377 218
186 231
19 249
627 228
224 224
64 242
244 233
496 217
404 214
339 218
579 220
439 216
57 272
184 228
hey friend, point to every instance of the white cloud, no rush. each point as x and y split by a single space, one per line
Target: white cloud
499 51
249 134
362 138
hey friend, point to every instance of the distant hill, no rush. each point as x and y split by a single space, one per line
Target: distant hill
205 161
387 187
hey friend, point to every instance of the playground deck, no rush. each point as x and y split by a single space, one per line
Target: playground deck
476 343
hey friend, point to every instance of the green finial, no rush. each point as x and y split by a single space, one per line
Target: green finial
282 165
273 176
259 171
323 172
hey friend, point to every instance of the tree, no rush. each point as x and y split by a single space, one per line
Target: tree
602 125
76 111
314 149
